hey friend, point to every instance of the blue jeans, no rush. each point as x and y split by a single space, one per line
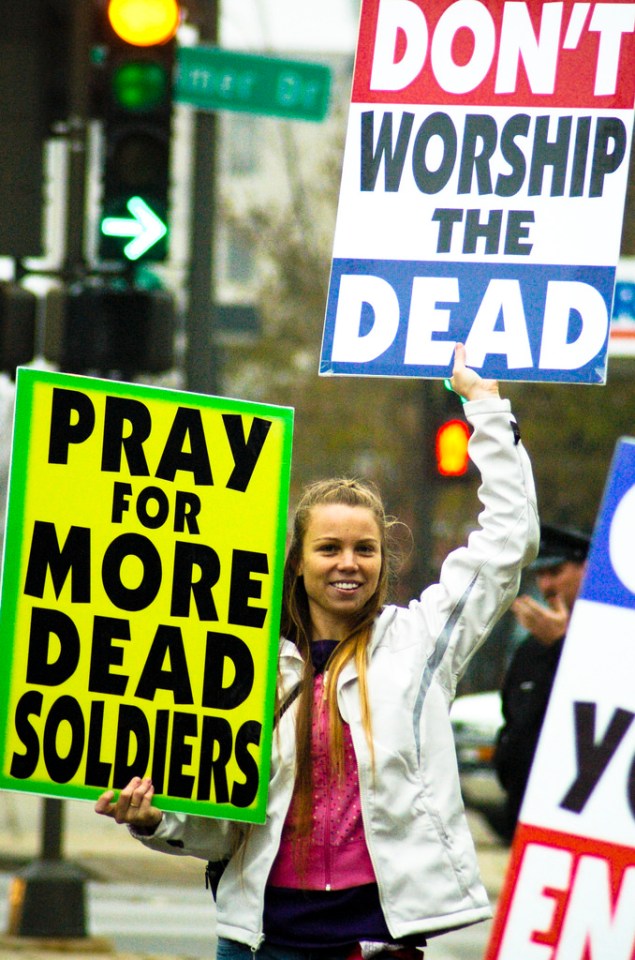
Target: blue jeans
232 950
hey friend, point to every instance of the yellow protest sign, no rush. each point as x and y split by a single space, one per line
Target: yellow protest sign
141 593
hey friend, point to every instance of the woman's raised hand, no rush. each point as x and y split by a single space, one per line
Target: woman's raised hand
467 382
133 805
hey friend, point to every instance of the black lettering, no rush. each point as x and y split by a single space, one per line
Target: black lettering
243 588
580 153
132 724
610 132
221 647
39 670
245 453
72 421
216 751
104 655
122 547
508 184
446 217
436 125
161 732
97 770
186 510
121 494
167 644
187 429
553 154
66 710
23 764
480 130
371 158
593 757
153 518
45 554
122 411
517 231
181 784
245 793
187 558
490 229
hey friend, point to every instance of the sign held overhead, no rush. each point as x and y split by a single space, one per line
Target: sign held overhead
483 189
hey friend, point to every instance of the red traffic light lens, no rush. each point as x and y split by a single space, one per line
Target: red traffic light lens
451 448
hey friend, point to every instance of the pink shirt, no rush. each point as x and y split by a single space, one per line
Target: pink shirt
337 853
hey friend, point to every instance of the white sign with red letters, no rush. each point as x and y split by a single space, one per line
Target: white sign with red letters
569 893
483 188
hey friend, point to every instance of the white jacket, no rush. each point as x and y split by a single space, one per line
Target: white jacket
415 826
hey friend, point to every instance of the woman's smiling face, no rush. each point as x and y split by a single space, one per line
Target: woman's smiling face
341 564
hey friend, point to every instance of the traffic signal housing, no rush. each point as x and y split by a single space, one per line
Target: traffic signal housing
135 103
112 327
34 54
18 324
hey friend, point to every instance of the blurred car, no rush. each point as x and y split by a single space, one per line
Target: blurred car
476 719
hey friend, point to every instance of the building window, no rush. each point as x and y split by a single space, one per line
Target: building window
240 144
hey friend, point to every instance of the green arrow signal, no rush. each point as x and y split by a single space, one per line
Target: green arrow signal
145 228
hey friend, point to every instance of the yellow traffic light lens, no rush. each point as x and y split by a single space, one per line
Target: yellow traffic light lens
144 23
451 448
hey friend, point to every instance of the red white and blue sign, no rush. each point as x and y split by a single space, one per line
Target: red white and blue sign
569 892
483 189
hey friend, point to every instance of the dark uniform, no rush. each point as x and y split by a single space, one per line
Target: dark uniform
525 695
528 682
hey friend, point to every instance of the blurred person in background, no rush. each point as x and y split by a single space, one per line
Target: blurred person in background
559 570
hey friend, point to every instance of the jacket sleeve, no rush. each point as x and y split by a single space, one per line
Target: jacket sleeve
479 581
185 835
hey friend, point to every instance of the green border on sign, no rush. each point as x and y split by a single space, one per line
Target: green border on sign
26 383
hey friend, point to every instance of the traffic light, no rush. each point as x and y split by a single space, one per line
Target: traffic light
34 54
450 446
18 324
110 326
135 104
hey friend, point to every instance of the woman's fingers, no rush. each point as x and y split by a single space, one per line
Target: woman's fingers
133 805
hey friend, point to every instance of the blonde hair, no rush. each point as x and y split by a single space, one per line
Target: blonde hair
296 626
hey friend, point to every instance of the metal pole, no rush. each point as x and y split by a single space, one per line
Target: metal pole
52 829
80 22
47 898
201 363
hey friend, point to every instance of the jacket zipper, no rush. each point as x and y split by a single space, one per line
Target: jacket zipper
324 720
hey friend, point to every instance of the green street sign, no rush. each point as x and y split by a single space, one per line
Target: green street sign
214 79
142 229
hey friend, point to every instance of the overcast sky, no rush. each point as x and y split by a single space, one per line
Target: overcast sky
328 26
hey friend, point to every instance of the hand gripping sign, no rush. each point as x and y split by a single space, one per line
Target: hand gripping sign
569 893
141 593
483 189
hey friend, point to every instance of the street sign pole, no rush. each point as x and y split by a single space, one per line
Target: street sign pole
201 359
211 79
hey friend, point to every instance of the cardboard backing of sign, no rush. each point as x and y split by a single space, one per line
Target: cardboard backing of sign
483 188
569 892
141 593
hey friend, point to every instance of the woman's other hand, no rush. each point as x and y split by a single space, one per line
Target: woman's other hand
467 382
133 805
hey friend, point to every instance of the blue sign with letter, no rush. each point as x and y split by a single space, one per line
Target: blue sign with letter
611 564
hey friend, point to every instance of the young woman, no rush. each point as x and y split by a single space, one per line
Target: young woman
366 841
